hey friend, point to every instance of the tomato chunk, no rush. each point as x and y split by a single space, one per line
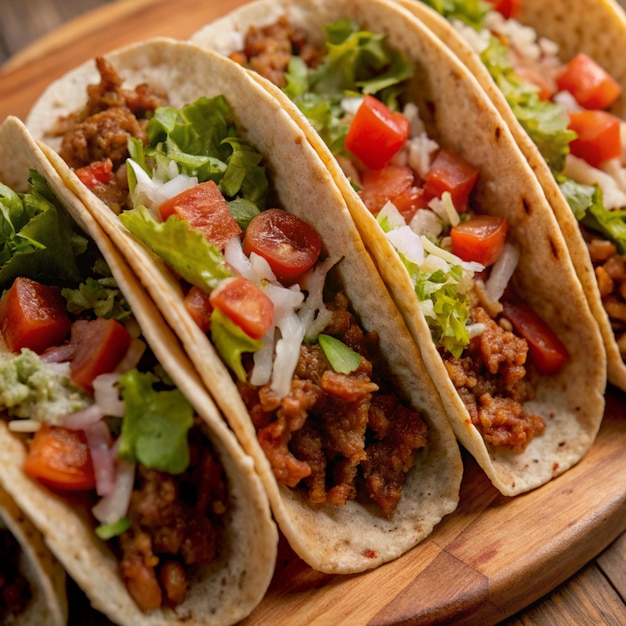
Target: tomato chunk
205 209
287 243
33 316
394 183
508 8
546 350
452 173
100 346
480 239
96 173
598 136
245 305
589 83
198 305
60 459
376 133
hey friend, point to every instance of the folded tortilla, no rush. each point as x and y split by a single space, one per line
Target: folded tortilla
574 31
459 116
222 592
46 594
333 538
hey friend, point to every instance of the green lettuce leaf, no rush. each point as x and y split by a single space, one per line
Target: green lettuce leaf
186 251
471 12
341 358
155 424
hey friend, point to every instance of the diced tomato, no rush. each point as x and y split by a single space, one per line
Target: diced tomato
287 243
508 8
394 183
452 173
598 136
60 458
33 316
480 239
376 133
98 172
198 305
589 83
245 305
100 346
546 350
205 209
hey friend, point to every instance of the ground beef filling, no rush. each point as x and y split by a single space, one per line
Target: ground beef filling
610 269
490 377
101 130
175 523
338 437
268 50
15 591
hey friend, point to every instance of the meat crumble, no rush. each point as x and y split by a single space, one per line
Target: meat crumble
175 523
337 436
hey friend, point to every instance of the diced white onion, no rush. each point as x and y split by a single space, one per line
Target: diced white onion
106 394
407 243
114 505
351 104
431 248
83 419
501 272
24 426
390 213
98 437
427 223
133 355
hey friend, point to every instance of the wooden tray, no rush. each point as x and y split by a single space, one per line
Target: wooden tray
494 555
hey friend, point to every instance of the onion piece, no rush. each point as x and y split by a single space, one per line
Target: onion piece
98 438
114 505
83 419
133 355
106 394
24 426
501 272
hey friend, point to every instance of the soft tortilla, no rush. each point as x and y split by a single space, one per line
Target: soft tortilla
48 603
575 31
342 539
225 591
459 116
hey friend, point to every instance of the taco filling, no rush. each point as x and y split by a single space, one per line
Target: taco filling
564 108
103 423
353 91
257 280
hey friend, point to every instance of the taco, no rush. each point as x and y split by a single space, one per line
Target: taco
32 581
290 326
534 60
109 443
456 221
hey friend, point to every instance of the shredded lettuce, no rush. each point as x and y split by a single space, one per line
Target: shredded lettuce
545 122
37 237
231 342
155 424
341 358
185 250
471 12
358 62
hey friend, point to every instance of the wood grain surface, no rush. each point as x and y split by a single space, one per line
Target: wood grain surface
495 556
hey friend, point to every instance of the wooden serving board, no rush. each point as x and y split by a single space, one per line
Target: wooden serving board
492 557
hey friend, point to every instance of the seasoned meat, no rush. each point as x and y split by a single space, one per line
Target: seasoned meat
610 268
337 436
490 378
268 50
175 523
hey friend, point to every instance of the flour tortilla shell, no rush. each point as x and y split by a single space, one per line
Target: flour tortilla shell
336 539
48 602
460 117
223 592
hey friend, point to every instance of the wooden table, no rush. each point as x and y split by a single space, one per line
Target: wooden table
41 39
